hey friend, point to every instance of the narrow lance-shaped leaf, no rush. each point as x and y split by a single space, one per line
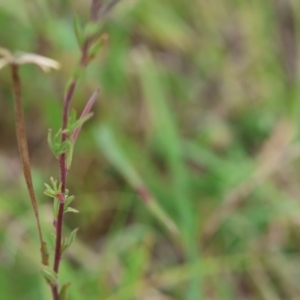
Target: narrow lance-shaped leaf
63 294
69 154
69 200
71 209
53 239
71 120
52 191
50 142
49 274
97 46
55 207
85 112
81 121
67 242
72 236
78 30
54 183
93 29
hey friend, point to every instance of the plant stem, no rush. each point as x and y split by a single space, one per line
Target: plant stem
63 180
24 155
55 294
83 62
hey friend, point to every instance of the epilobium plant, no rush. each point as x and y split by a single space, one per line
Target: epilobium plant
90 40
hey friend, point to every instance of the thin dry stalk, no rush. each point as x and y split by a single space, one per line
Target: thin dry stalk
24 155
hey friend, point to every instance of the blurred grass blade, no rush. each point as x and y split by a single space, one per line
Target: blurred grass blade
156 209
166 135
117 158
167 139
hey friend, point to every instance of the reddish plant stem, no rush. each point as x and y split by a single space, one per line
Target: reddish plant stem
62 165
63 175
83 62
63 180
58 237
55 294
95 8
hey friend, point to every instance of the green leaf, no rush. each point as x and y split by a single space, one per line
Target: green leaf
50 193
48 187
93 29
54 183
50 142
74 124
53 239
57 137
97 46
78 30
55 207
69 200
63 294
69 154
72 236
71 209
82 120
64 246
55 144
67 242
72 118
49 274
63 147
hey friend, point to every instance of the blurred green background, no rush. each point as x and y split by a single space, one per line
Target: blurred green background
198 113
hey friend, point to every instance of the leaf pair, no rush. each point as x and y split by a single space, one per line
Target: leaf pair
57 147
92 34
54 191
66 242
52 277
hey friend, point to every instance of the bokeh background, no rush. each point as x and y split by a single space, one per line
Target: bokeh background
187 177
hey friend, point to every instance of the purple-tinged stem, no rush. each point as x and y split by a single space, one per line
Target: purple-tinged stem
83 62
63 175
55 294
63 180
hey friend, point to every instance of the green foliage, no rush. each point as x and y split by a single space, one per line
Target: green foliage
49 274
55 144
198 118
114 155
67 241
64 291
54 192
